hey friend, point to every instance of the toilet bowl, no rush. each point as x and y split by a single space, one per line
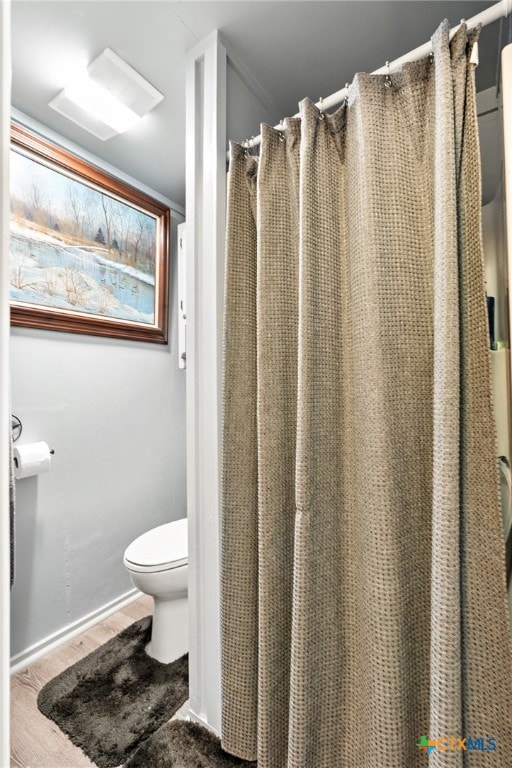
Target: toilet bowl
157 563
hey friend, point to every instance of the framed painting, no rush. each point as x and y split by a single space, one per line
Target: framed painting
88 253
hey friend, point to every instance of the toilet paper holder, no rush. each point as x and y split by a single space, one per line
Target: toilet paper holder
17 429
15 460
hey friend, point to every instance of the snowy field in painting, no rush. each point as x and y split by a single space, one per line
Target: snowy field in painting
51 269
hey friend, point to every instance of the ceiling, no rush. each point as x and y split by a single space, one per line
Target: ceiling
293 49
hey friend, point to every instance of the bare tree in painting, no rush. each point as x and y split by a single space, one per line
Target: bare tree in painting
121 225
37 203
132 231
105 300
76 206
148 249
90 224
50 281
17 275
108 215
18 206
141 238
138 235
75 287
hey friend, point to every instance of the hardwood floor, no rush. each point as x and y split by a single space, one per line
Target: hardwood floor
37 742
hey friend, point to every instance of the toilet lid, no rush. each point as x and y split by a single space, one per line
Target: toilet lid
166 545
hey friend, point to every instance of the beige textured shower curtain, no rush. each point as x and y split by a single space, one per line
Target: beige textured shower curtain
363 590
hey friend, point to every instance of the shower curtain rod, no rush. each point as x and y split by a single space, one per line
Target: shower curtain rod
495 12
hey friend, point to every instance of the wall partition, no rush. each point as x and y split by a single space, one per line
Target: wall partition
503 415
5 98
223 100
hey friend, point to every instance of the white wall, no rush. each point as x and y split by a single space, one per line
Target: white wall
223 101
247 105
114 412
5 98
490 131
490 128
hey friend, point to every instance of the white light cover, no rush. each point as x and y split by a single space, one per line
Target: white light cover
92 97
107 99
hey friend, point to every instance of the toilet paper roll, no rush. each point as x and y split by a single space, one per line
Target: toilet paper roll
31 459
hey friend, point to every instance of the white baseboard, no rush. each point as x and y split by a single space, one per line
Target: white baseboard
41 648
202 721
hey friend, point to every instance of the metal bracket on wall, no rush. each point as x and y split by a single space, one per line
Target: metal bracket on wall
182 296
16 427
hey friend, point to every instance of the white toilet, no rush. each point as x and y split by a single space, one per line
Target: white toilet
157 563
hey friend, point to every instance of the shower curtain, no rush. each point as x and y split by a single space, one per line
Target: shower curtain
363 601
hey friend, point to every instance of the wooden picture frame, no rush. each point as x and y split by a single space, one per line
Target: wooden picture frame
89 253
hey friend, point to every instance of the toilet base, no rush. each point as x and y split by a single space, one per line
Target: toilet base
169 634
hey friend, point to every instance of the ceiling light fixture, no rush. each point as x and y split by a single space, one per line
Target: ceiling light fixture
107 99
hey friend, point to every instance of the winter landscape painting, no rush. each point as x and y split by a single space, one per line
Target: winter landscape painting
85 254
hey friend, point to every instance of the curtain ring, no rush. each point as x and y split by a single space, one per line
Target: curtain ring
247 147
282 137
321 116
387 79
345 100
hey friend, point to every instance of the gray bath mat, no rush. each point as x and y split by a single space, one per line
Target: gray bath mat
182 744
116 697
